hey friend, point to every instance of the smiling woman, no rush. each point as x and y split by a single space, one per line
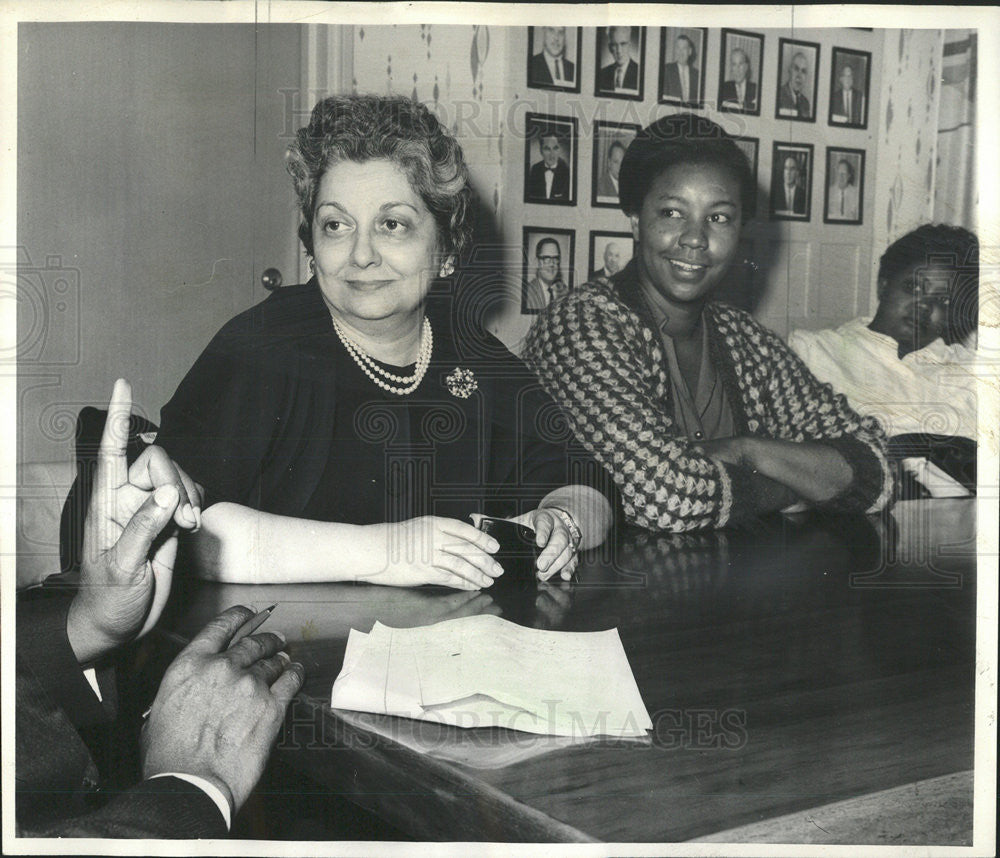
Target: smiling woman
342 429
701 416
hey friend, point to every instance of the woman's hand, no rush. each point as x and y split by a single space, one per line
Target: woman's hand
553 536
433 550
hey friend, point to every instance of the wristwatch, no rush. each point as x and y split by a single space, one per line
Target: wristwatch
575 535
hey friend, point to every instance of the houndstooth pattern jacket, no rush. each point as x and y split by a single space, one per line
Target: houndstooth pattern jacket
596 353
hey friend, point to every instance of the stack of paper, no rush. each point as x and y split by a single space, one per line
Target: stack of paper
483 671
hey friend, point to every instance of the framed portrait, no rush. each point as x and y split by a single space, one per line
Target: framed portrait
550 159
682 66
849 80
739 72
547 272
845 185
791 181
609 253
750 147
620 70
611 139
554 58
798 78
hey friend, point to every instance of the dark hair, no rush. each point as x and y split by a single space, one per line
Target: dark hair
681 138
363 128
942 244
547 240
850 169
694 50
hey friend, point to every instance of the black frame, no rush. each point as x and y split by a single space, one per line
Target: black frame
779 152
754 159
577 63
792 45
859 182
597 159
543 121
667 35
725 50
528 254
592 246
858 56
600 43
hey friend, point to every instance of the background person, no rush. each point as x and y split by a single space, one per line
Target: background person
548 179
902 365
843 194
680 79
550 66
607 182
547 284
612 261
217 712
740 91
302 415
848 101
789 197
702 416
622 75
792 100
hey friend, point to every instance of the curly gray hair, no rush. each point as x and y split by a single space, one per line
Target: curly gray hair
362 128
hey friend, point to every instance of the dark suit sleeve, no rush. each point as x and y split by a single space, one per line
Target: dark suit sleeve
161 808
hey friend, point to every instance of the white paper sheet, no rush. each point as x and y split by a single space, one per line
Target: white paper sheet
484 671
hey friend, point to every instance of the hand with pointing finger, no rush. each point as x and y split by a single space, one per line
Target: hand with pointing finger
130 540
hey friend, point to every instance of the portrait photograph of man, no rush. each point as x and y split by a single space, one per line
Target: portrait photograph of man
791 181
844 185
739 72
611 139
682 52
797 80
849 88
610 252
548 266
621 63
550 160
553 58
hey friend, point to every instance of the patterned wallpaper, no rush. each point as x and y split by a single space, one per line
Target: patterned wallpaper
907 143
457 70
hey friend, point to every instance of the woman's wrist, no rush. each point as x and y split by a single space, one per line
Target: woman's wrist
575 534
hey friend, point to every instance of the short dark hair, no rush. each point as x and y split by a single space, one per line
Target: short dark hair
850 169
681 138
953 246
363 128
694 50
547 240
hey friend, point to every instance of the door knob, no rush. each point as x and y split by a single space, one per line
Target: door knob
271 279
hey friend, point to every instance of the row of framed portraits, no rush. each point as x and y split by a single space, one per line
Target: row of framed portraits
555 54
550 170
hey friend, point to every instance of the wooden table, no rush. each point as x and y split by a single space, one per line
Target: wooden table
791 668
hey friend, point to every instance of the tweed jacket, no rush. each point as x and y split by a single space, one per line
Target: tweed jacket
596 353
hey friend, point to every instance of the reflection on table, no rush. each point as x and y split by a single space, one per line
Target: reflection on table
802 662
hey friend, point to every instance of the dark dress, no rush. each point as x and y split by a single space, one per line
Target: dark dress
275 415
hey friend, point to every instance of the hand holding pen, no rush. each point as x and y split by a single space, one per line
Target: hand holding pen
221 704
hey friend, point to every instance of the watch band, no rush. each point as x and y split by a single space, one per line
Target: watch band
575 534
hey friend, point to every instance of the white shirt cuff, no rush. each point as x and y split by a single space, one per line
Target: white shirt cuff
90 674
210 789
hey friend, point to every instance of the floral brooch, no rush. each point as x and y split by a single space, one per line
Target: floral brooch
461 383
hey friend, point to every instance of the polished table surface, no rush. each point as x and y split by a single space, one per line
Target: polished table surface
788 666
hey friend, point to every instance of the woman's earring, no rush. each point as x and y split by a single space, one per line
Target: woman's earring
312 265
448 267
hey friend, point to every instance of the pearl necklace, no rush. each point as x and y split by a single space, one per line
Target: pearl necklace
400 385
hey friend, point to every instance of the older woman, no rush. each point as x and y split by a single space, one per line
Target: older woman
342 429
702 416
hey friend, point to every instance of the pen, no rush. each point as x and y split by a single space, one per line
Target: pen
248 628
